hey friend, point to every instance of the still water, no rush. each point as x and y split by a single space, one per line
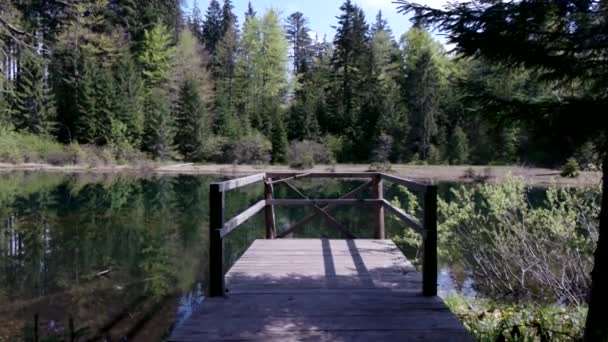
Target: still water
123 257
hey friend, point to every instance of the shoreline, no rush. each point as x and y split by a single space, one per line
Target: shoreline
436 173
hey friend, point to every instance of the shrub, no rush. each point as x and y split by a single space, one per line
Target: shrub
250 149
489 321
305 154
570 169
469 173
543 252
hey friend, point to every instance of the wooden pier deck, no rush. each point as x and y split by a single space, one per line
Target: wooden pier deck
318 289
322 290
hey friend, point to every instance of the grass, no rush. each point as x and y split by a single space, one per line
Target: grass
18 148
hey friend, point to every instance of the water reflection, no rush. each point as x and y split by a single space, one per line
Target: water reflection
124 256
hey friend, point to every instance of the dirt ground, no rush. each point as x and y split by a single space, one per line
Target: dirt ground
437 173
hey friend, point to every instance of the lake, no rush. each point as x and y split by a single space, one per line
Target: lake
123 256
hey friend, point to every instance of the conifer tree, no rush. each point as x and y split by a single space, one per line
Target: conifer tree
298 35
422 89
191 121
195 23
212 26
459 147
105 107
129 100
350 62
159 135
157 60
34 110
272 69
224 71
157 55
85 130
279 139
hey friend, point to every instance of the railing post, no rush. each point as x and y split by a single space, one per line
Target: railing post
429 263
216 244
269 210
378 208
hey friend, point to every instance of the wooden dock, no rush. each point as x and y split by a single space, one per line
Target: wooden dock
320 289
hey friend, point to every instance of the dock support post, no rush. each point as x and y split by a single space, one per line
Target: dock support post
378 208
269 210
216 244
429 263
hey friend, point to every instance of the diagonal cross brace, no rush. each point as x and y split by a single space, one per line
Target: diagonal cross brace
326 209
320 210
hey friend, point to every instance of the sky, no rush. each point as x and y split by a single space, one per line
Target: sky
322 13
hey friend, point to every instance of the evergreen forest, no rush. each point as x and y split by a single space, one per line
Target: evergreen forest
211 85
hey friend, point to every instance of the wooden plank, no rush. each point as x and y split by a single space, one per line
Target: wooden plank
327 208
239 182
410 184
318 202
453 335
241 218
322 290
406 218
426 320
344 175
299 175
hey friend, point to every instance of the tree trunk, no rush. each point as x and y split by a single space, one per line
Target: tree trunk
596 328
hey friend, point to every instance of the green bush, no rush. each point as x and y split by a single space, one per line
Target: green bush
570 169
305 154
490 321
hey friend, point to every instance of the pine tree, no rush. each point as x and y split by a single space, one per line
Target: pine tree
192 84
157 60
105 93
157 55
279 139
422 89
212 26
298 35
248 80
272 69
459 147
191 120
34 107
350 62
159 135
250 11
386 81
129 101
224 71
85 130
195 23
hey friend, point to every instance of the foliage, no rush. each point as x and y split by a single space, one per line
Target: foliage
459 147
34 107
157 55
489 321
543 251
305 154
570 169
249 149
381 99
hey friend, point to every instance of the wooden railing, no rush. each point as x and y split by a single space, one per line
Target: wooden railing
219 228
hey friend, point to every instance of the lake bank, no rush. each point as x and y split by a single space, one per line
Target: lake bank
439 173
